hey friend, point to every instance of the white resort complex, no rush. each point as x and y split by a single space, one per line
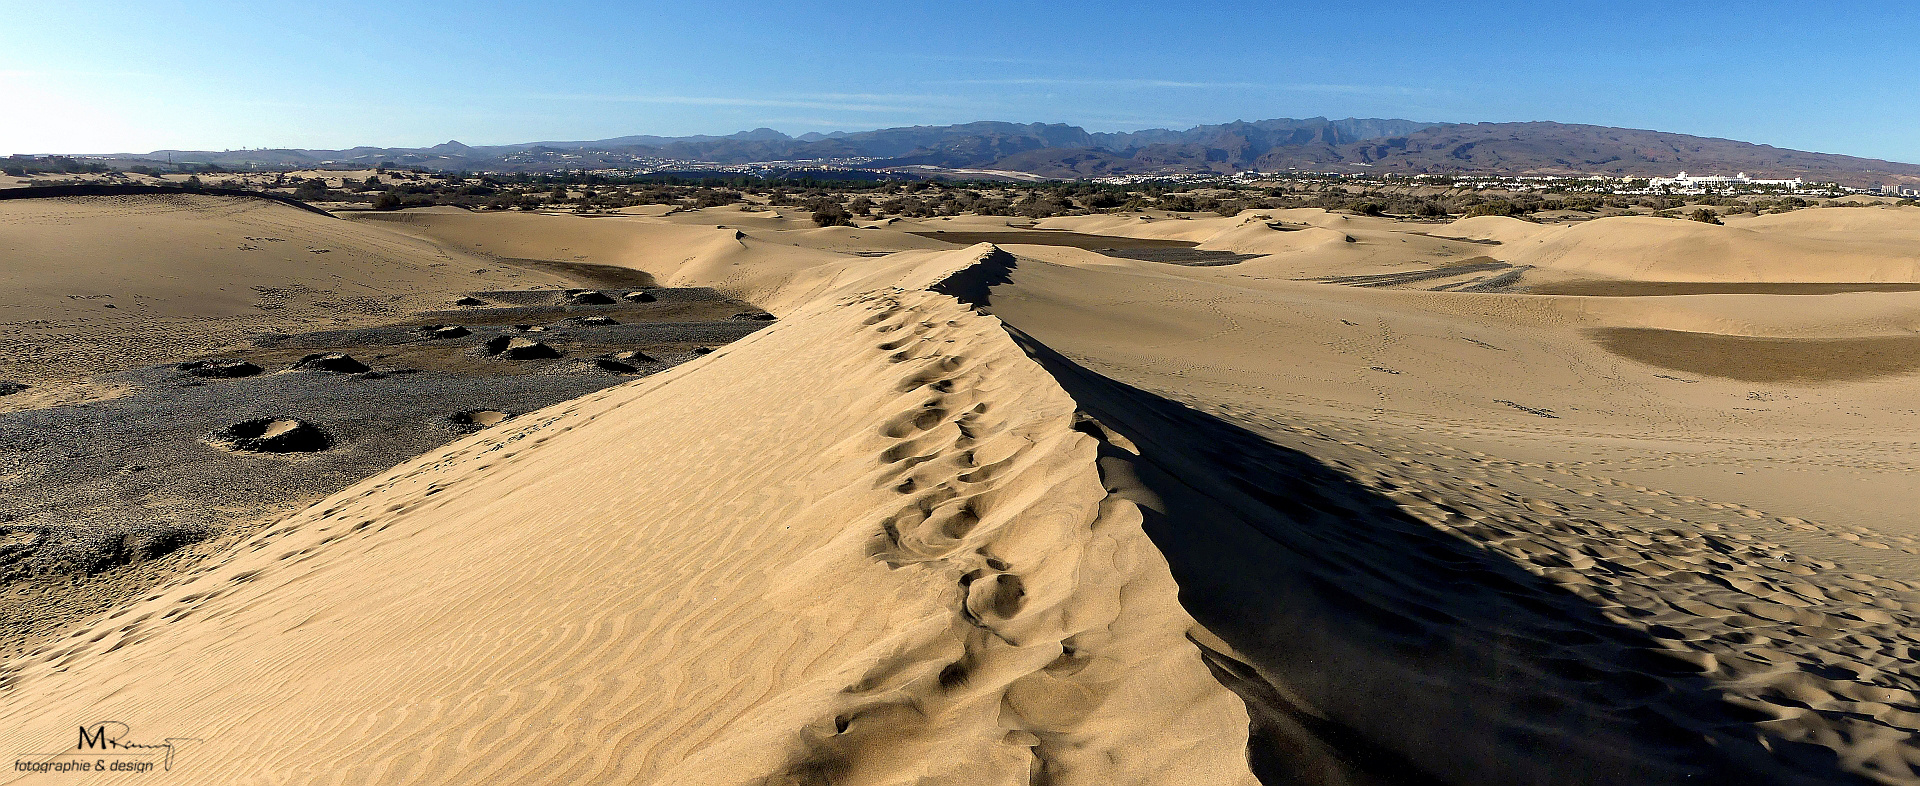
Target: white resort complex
1684 180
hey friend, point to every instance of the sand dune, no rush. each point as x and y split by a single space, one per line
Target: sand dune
1657 249
1300 243
1339 433
100 282
1837 245
1043 515
726 258
1851 244
223 256
895 565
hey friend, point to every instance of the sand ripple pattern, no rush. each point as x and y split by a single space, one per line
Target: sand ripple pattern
865 545
1404 610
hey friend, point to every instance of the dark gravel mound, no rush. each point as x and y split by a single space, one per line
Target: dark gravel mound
615 366
514 348
273 435
589 297
221 369
445 331
753 316
640 297
10 388
469 301
334 362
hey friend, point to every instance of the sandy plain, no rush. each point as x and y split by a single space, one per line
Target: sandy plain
1372 504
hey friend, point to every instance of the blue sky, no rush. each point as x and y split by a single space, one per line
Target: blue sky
81 76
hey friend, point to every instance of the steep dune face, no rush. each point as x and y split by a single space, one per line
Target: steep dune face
1446 537
867 544
1390 628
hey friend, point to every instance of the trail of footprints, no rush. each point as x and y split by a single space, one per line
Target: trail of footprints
1023 628
938 462
1819 654
1035 586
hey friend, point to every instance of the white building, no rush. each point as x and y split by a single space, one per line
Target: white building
1684 180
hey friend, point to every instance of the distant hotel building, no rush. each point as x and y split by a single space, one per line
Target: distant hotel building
1683 180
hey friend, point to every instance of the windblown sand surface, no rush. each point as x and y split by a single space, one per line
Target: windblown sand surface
1037 514
896 564
98 283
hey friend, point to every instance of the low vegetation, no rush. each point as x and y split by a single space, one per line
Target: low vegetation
834 199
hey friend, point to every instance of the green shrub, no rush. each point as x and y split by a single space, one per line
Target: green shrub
310 190
832 215
1494 208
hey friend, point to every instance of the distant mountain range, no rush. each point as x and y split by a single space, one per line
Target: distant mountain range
1064 151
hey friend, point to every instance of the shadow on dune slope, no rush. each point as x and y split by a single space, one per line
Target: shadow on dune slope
1373 648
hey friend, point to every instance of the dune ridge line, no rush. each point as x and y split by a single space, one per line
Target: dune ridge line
867 544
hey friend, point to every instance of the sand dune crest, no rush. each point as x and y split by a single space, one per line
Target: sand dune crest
881 554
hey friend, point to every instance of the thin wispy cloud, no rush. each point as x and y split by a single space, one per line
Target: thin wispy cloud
873 96
843 102
1196 85
1399 90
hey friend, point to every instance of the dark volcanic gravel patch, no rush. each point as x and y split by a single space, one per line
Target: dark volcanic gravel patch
89 475
108 489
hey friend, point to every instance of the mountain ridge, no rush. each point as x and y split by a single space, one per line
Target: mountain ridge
1059 150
